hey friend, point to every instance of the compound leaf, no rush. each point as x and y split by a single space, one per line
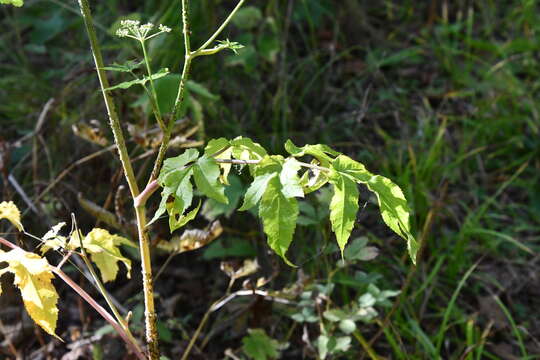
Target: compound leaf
8 210
33 277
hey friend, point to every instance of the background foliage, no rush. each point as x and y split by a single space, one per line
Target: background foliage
441 97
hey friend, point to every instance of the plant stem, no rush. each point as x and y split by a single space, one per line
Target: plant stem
114 121
179 95
219 30
153 93
144 244
148 286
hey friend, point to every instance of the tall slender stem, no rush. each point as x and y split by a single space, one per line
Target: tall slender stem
144 244
220 29
114 121
179 95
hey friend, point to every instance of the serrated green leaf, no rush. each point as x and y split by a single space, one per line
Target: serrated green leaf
222 146
394 210
352 168
321 152
127 84
128 66
206 173
259 346
176 164
216 145
246 149
343 207
177 219
33 275
256 190
162 205
279 215
289 179
212 209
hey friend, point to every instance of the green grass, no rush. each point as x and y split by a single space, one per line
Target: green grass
445 101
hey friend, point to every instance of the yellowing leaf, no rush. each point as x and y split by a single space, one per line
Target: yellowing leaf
8 210
51 239
104 251
33 278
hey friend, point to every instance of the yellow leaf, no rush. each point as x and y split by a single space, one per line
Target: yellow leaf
33 277
51 239
9 211
104 251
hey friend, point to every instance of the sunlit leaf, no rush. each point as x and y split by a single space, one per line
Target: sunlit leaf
104 250
343 207
256 190
394 210
206 173
52 240
33 277
9 211
289 179
321 152
279 215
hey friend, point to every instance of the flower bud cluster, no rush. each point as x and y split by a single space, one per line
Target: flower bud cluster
134 30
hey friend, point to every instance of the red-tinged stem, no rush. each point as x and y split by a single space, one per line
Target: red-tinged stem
108 317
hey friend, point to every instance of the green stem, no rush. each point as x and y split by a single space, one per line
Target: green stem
153 97
144 244
180 94
114 121
220 29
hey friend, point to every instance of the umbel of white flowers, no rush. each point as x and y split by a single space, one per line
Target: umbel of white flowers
134 30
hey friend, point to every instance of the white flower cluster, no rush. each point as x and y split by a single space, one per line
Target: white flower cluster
134 30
